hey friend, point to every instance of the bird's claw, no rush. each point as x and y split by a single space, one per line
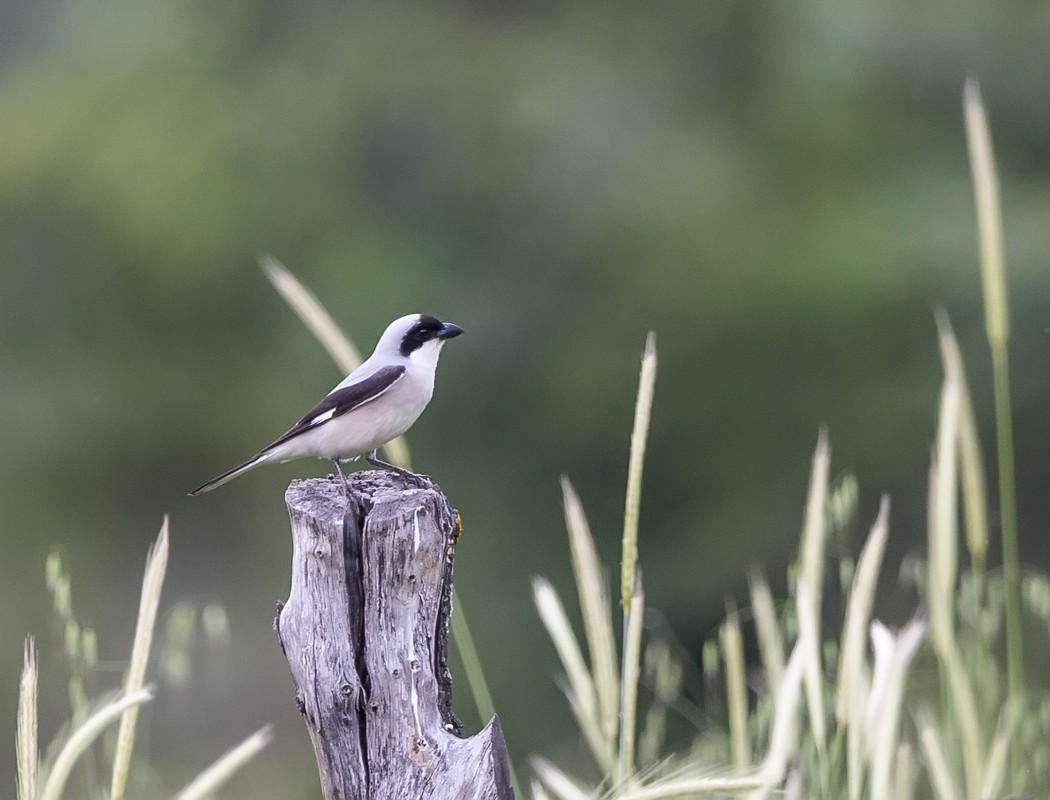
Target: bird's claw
421 481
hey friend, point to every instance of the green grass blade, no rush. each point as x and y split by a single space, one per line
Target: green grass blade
156 565
82 738
596 611
558 783
770 638
943 526
479 687
849 702
783 734
26 742
937 769
214 777
694 786
942 585
581 689
808 636
997 323
639 438
853 687
811 578
997 754
468 653
904 772
732 640
989 216
814 528
630 584
632 655
314 315
538 791
971 464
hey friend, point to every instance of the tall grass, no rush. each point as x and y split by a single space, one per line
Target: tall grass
888 713
48 777
930 709
632 597
156 566
26 748
997 328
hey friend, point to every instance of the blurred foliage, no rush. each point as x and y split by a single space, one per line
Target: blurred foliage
781 192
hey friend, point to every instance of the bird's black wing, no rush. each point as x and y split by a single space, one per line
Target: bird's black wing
344 400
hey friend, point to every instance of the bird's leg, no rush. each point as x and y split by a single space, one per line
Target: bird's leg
411 477
342 477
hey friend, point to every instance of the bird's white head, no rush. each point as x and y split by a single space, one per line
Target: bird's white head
417 337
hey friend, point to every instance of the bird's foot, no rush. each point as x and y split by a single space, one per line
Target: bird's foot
419 481
342 477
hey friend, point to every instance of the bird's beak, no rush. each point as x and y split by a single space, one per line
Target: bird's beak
449 331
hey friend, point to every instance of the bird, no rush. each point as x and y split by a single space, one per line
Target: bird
377 402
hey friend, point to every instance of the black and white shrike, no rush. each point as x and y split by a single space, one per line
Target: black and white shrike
375 403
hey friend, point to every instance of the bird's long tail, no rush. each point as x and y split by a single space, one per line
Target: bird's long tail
229 475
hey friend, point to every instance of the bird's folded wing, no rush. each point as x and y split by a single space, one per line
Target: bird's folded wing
345 399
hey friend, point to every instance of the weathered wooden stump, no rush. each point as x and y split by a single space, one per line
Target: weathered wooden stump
365 632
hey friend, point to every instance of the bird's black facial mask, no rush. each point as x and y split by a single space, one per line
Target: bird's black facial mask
423 331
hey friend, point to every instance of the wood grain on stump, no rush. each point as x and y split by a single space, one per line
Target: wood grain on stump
365 632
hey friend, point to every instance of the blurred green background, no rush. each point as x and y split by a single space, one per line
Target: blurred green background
780 191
